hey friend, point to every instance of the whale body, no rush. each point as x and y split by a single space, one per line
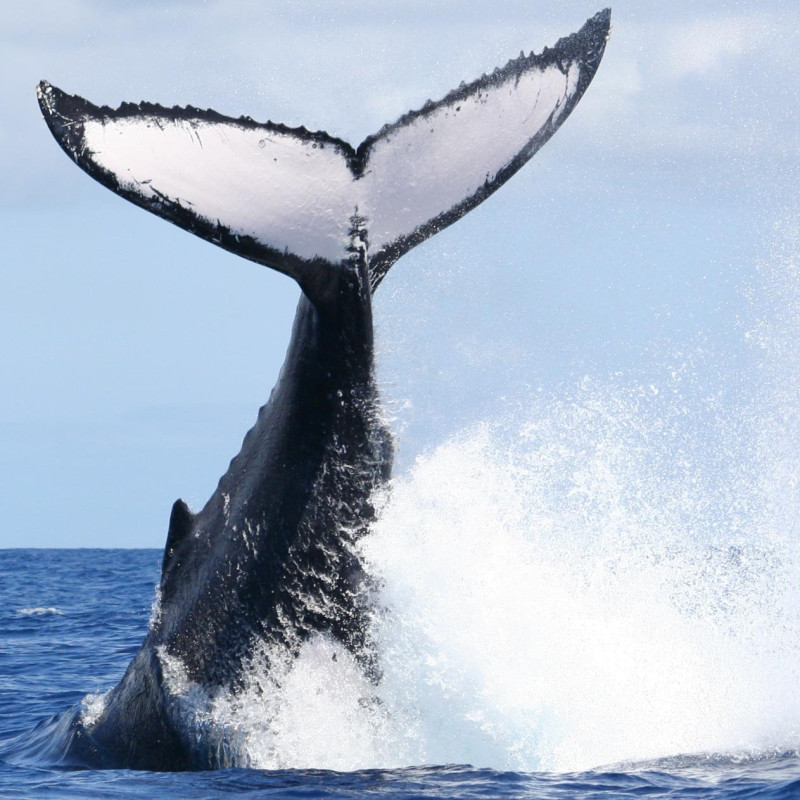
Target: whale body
272 559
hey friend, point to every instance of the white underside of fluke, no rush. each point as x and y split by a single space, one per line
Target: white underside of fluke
298 194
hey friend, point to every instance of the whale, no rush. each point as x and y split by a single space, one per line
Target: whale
273 558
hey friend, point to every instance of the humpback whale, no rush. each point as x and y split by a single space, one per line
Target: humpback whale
272 559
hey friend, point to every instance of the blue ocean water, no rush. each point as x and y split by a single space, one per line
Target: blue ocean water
70 620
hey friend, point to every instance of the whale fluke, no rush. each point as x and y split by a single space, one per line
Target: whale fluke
288 197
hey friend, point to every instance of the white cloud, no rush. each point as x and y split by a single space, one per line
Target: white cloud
712 45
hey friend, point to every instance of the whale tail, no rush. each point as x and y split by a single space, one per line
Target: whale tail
302 202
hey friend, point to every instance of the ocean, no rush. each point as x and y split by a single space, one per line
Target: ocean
72 619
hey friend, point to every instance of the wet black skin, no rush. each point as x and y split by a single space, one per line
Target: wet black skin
279 529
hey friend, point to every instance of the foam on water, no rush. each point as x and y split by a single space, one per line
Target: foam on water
566 605
40 611
602 575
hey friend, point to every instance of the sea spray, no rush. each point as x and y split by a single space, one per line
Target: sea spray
774 332
570 598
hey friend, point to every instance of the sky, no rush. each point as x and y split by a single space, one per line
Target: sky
134 356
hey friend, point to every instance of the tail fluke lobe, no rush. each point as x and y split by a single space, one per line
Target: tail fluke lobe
287 197
434 165
272 194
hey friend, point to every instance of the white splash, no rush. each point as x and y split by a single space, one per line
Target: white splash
155 609
92 707
41 611
316 710
563 600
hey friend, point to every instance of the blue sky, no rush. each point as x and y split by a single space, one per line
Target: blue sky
135 356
